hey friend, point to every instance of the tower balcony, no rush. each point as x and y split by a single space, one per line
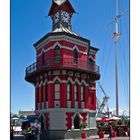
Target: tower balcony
62 63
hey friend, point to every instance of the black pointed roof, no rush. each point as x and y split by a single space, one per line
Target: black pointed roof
61 5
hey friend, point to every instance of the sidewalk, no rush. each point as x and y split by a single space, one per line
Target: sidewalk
96 137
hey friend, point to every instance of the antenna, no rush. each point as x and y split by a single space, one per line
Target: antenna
116 37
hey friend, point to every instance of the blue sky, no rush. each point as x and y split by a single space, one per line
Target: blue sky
92 21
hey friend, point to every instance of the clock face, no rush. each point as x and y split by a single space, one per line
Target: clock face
56 17
65 16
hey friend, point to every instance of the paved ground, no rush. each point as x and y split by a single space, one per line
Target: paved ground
94 138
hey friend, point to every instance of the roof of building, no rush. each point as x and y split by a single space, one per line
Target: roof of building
64 32
93 48
61 5
59 2
63 29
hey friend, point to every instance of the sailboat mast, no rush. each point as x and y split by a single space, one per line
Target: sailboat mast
116 37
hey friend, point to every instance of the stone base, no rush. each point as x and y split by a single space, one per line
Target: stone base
63 134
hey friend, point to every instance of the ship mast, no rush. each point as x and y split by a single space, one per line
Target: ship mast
116 37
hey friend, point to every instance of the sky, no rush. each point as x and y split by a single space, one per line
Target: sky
93 20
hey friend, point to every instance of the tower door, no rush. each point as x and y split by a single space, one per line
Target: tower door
77 121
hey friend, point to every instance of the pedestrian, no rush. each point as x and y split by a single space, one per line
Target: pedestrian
29 132
110 131
11 133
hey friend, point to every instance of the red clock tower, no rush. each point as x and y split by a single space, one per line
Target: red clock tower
64 76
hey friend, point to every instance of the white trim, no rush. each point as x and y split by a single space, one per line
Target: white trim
41 83
44 118
84 82
69 104
66 110
69 79
82 104
37 85
76 113
45 82
92 51
64 81
92 88
77 81
64 47
43 50
92 58
60 38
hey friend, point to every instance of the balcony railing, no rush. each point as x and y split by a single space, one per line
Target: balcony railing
63 63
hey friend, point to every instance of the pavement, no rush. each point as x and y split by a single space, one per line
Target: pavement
96 137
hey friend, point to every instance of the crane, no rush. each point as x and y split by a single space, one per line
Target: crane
101 106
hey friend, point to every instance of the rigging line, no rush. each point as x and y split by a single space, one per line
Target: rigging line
123 82
123 78
108 15
108 62
111 13
124 65
124 51
122 86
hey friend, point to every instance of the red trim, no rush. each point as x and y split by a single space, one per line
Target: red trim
79 96
63 95
69 120
45 91
86 97
47 120
36 97
51 95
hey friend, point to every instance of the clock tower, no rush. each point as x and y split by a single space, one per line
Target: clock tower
61 13
64 76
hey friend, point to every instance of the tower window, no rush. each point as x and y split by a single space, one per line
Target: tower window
68 91
75 56
57 91
57 55
76 92
43 59
82 93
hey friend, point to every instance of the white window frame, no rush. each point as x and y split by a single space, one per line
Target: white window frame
82 92
57 91
68 91
76 92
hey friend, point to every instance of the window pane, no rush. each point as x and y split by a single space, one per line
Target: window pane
57 91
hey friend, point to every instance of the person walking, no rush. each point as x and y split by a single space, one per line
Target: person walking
110 131
29 132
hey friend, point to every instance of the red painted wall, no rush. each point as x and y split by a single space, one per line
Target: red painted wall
63 95
51 95
69 120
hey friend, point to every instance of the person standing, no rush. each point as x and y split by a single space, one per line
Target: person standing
110 131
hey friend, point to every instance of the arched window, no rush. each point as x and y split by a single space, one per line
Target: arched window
57 54
68 91
90 60
82 93
57 90
75 56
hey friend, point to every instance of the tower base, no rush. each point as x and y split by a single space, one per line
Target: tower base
67 134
